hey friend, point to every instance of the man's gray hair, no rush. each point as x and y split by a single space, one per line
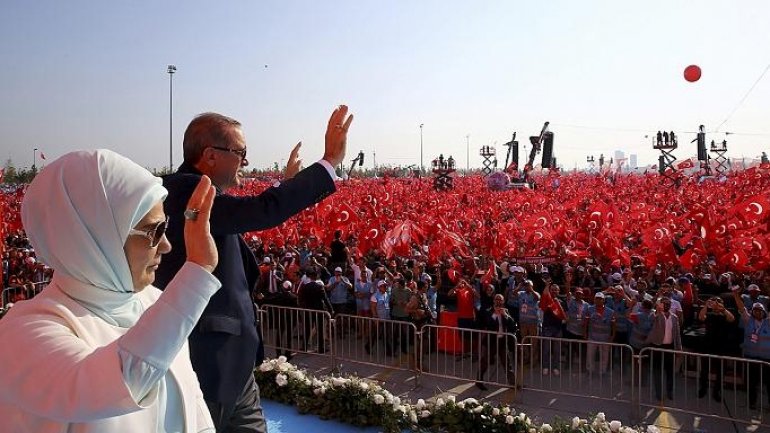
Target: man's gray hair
205 130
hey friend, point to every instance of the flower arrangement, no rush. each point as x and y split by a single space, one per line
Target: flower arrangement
362 403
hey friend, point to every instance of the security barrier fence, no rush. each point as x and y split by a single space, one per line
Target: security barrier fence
735 389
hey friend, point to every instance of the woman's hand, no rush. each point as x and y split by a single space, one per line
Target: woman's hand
197 234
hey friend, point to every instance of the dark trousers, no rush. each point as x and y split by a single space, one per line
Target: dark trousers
494 348
709 365
315 321
402 334
245 416
663 362
758 373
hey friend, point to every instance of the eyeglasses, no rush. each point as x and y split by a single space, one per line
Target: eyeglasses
154 235
240 152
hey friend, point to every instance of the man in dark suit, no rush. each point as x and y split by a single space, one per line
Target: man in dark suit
499 345
226 345
312 296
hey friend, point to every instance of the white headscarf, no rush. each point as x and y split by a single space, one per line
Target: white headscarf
77 214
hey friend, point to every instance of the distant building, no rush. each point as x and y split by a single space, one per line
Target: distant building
619 161
632 161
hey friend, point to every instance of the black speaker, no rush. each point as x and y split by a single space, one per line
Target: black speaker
515 153
360 159
547 150
661 164
702 156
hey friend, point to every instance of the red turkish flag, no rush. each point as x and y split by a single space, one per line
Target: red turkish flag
755 208
548 303
490 275
687 163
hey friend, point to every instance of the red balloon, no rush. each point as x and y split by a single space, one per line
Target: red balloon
692 73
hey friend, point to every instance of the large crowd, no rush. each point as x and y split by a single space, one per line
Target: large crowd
590 257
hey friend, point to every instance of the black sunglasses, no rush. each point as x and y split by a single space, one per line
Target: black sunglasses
240 152
154 235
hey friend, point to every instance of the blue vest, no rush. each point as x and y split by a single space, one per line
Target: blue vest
619 307
528 308
756 340
383 304
641 329
600 326
575 316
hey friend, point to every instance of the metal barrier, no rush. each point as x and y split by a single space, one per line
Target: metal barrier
570 367
14 294
36 289
20 293
295 330
578 368
383 343
468 354
705 385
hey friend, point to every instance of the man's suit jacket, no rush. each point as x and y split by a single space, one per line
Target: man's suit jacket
313 296
226 345
658 331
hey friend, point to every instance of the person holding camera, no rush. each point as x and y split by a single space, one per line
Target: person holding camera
717 320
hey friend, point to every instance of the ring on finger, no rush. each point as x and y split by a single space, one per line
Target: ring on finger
191 214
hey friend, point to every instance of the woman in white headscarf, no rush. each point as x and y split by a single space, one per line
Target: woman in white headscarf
101 349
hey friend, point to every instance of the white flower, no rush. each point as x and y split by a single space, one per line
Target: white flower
378 399
316 383
506 410
451 398
440 402
615 425
413 417
281 380
318 391
425 414
364 386
546 428
600 416
509 419
265 367
285 366
420 404
575 422
471 401
338 381
281 359
401 408
478 409
461 405
307 382
652 429
396 401
495 412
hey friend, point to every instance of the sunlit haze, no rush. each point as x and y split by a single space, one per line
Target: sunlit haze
87 74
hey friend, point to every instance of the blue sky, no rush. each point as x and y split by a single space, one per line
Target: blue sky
88 74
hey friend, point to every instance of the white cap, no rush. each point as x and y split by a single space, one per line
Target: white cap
382 283
752 287
266 259
599 295
287 284
616 276
758 305
338 269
